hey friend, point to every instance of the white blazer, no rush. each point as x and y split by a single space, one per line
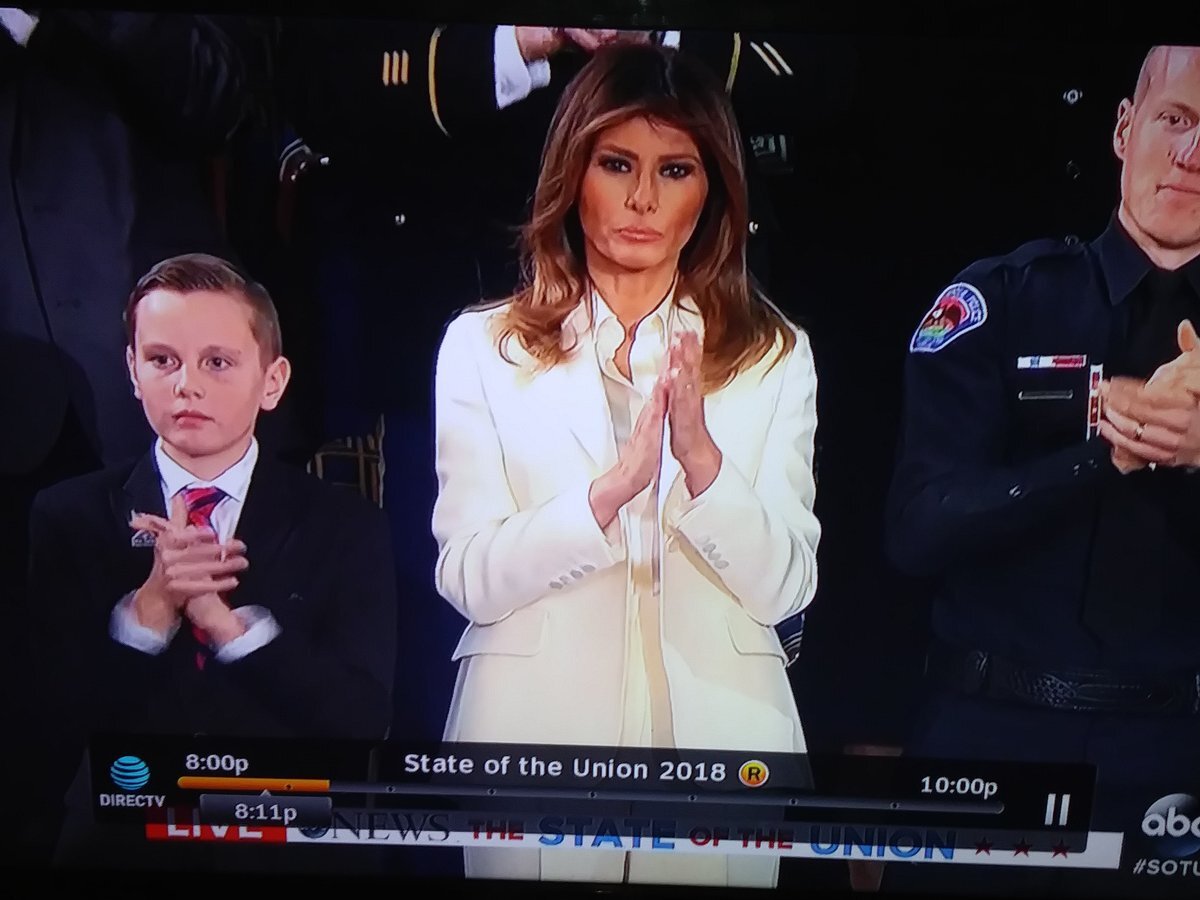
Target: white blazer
521 556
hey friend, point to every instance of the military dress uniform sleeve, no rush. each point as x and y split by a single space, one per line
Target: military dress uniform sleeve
955 488
9 51
18 23
720 50
184 73
345 80
780 84
752 87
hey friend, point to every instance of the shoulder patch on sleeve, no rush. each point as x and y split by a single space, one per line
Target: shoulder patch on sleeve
958 309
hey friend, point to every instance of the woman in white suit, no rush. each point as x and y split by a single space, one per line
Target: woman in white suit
624 460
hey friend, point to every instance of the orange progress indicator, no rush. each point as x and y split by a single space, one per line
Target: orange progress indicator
281 785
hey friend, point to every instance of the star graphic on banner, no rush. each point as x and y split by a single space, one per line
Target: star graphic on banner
1060 849
1022 849
983 847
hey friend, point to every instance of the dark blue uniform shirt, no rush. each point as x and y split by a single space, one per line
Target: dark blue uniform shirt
999 491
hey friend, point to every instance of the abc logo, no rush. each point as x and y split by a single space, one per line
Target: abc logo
1174 823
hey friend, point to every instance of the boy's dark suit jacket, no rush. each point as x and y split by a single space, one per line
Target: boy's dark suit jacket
320 561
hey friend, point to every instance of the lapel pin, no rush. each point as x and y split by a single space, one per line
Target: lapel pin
142 539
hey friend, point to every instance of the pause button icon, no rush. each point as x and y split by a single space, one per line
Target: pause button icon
1059 806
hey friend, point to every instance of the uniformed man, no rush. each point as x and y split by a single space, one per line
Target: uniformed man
1064 530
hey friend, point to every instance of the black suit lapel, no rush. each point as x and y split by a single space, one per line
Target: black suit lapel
273 507
142 493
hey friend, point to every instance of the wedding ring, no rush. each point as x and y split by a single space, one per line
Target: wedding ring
1138 432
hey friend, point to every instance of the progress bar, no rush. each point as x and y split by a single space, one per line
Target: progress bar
275 785
806 801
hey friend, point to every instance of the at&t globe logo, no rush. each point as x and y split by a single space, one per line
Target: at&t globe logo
1173 822
129 773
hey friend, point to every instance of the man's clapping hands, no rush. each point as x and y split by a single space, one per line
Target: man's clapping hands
538 42
1156 421
190 572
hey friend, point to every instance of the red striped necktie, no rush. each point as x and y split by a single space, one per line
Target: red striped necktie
201 502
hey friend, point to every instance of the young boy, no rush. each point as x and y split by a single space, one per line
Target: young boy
201 588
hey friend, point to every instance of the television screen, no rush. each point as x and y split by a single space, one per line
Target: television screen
601 449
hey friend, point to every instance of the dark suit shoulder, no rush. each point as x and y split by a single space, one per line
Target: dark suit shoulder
328 499
83 491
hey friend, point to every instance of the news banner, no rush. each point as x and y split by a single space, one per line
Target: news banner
600 798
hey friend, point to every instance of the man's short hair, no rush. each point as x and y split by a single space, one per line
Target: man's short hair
194 272
1147 73
1156 64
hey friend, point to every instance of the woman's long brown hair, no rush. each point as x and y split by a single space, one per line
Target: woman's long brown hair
621 82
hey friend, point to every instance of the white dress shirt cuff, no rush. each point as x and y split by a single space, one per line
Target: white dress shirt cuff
671 39
515 78
18 23
261 629
124 628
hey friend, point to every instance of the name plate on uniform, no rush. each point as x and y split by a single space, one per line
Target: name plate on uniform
1057 361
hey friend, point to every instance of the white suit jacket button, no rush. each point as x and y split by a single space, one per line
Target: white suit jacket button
709 547
575 573
721 564
555 584
589 568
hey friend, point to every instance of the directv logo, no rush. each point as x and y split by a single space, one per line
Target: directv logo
129 773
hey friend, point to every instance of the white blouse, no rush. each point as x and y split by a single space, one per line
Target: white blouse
646 708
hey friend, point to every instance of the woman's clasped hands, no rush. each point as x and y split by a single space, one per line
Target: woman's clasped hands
678 399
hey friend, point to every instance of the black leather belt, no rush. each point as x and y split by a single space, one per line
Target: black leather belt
983 674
